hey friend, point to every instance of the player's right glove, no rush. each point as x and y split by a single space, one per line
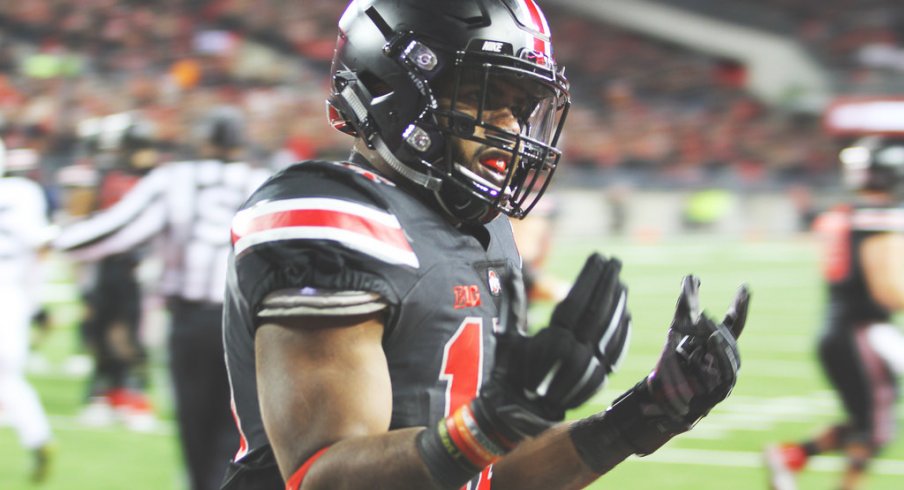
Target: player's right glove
697 369
535 380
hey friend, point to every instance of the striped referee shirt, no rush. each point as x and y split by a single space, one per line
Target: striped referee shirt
187 206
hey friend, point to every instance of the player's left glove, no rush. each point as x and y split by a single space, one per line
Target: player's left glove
697 369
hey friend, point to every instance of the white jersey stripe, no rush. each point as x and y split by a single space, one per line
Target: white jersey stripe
879 219
355 241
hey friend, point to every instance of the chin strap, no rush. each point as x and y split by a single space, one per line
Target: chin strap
419 178
471 210
351 100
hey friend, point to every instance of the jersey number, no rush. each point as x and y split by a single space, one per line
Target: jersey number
462 369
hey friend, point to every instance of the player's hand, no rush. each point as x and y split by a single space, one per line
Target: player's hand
699 364
536 379
596 311
697 369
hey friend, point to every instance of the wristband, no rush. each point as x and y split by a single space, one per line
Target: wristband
460 446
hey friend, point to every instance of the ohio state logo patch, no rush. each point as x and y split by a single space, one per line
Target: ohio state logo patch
494 282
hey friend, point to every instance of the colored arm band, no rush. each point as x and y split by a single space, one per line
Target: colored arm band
294 481
459 447
606 439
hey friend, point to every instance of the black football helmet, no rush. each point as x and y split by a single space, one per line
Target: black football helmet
874 163
395 58
222 127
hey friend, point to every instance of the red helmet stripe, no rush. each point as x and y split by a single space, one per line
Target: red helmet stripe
541 44
537 17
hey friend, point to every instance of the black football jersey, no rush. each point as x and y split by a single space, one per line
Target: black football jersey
844 229
328 226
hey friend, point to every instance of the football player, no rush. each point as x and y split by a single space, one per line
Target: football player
24 232
375 307
859 350
122 149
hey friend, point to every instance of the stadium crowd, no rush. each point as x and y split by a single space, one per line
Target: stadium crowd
647 108
648 111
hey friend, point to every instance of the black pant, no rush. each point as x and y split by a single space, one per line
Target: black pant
864 382
110 327
207 430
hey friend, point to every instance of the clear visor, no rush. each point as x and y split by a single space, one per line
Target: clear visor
514 111
495 94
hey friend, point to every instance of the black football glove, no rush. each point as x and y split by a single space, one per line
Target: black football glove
699 364
536 379
596 311
697 369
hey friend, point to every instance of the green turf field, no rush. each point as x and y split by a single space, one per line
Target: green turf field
781 393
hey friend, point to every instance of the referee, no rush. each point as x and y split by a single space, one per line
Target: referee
187 207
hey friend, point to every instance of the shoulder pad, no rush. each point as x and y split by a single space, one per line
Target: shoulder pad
366 173
342 168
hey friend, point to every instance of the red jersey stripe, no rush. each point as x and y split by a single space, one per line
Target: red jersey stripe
354 225
294 481
243 441
324 219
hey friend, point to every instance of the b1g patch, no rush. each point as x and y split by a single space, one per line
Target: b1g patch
466 296
494 282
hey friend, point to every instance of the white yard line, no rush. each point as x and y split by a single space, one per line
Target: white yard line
747 459
64 423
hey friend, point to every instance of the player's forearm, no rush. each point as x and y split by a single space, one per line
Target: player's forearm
389 460
548 461
571 457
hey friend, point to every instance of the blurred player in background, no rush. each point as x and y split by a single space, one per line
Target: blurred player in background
187 205
534 237
375 307
119 149
24 232
861 352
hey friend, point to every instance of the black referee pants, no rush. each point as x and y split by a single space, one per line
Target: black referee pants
207 431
